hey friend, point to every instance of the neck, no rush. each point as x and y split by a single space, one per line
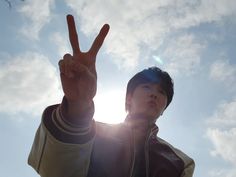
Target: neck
142 120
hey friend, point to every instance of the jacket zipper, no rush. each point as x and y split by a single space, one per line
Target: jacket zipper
134 150
146 152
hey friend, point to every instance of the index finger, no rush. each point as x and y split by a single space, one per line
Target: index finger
73 34
97 43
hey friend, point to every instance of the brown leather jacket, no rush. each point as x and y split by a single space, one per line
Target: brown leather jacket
61 149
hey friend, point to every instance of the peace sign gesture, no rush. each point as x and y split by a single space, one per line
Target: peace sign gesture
78 71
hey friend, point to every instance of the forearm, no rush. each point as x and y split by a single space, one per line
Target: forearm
60 149
65 131
53 158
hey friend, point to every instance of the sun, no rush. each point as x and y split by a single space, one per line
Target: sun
110 107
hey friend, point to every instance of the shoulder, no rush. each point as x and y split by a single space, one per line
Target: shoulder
183 156
174 158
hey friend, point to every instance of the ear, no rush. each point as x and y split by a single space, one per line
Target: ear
128 98
128 102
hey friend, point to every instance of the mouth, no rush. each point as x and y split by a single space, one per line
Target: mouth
152 104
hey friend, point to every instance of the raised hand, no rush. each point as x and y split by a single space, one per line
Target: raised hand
78 71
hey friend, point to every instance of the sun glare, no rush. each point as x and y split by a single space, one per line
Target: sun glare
110 107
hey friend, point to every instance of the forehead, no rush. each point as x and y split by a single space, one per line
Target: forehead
156 85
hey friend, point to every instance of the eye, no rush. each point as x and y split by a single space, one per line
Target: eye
161 91
146 86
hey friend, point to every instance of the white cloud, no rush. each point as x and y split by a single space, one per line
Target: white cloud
61 41
222 131
29 83
130 26
222 134
186 13
38 13
223 71
135 24
224 143
223 172
182 54
225 115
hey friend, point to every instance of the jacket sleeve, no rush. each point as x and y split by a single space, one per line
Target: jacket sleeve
61 149
189 166
189 169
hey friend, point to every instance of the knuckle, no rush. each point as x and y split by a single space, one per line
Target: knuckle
67 56
60 63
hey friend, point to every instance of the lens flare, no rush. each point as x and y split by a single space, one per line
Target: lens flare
158 59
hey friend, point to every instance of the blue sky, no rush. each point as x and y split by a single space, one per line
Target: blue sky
193 40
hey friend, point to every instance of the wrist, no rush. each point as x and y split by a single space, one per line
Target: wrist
79 106
77 111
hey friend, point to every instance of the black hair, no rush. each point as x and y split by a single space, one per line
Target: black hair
152 75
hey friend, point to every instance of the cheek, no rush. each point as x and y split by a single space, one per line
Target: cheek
138 103
163 101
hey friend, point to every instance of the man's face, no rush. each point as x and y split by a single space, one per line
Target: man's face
148 100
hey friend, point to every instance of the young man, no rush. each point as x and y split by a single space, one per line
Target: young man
70 143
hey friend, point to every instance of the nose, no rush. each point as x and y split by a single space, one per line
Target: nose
153 94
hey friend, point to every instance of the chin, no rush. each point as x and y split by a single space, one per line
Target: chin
147 115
